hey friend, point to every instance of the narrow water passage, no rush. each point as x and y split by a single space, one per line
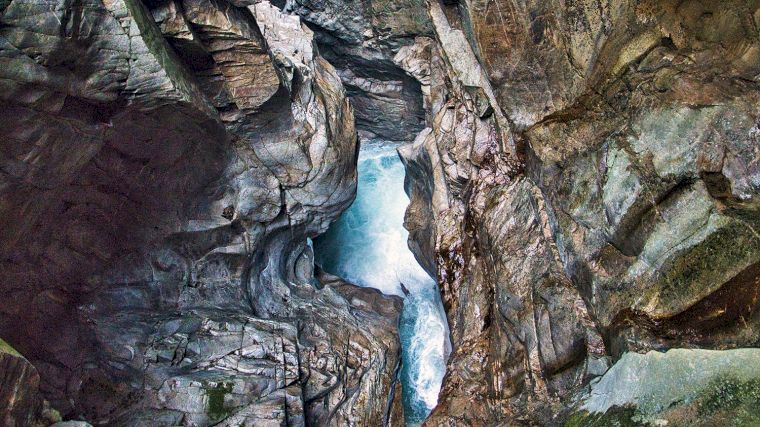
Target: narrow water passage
368 246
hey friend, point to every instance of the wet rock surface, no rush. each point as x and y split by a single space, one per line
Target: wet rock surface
163 166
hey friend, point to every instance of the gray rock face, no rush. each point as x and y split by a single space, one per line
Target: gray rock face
586 188
360 38
654 382
680 387
72 424
163 166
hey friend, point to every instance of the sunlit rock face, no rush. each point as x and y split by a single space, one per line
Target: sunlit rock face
163 166
368 246
679 387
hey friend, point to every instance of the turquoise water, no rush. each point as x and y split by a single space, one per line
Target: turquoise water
368 246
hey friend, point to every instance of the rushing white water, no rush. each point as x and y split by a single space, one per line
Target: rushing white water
368 246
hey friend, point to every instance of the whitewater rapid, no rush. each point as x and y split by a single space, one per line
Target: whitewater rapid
368 246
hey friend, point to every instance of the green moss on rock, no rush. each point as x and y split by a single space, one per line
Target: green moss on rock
729 393
683 387
718 258
216 408
614 417
725 402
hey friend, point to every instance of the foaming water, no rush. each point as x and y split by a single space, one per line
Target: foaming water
368 246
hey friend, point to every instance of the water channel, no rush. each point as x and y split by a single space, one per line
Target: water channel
368 246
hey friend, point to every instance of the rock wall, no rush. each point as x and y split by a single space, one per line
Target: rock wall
163 166
360 38
587 186
583 179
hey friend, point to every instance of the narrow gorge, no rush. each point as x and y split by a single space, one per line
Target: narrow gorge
368 246
379 213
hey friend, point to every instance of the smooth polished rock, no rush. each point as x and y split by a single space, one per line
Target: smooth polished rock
361 39
163 166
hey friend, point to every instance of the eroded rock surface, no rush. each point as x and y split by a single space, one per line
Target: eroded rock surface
360 38
163 166
583 175
587 187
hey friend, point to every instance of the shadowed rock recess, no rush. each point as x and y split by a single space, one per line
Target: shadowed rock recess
163 165
584 178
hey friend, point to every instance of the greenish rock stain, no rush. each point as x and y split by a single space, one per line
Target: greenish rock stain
6 348
406 17
614 417
216 408
722 255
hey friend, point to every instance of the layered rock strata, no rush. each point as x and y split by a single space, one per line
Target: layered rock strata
587 187
21 403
